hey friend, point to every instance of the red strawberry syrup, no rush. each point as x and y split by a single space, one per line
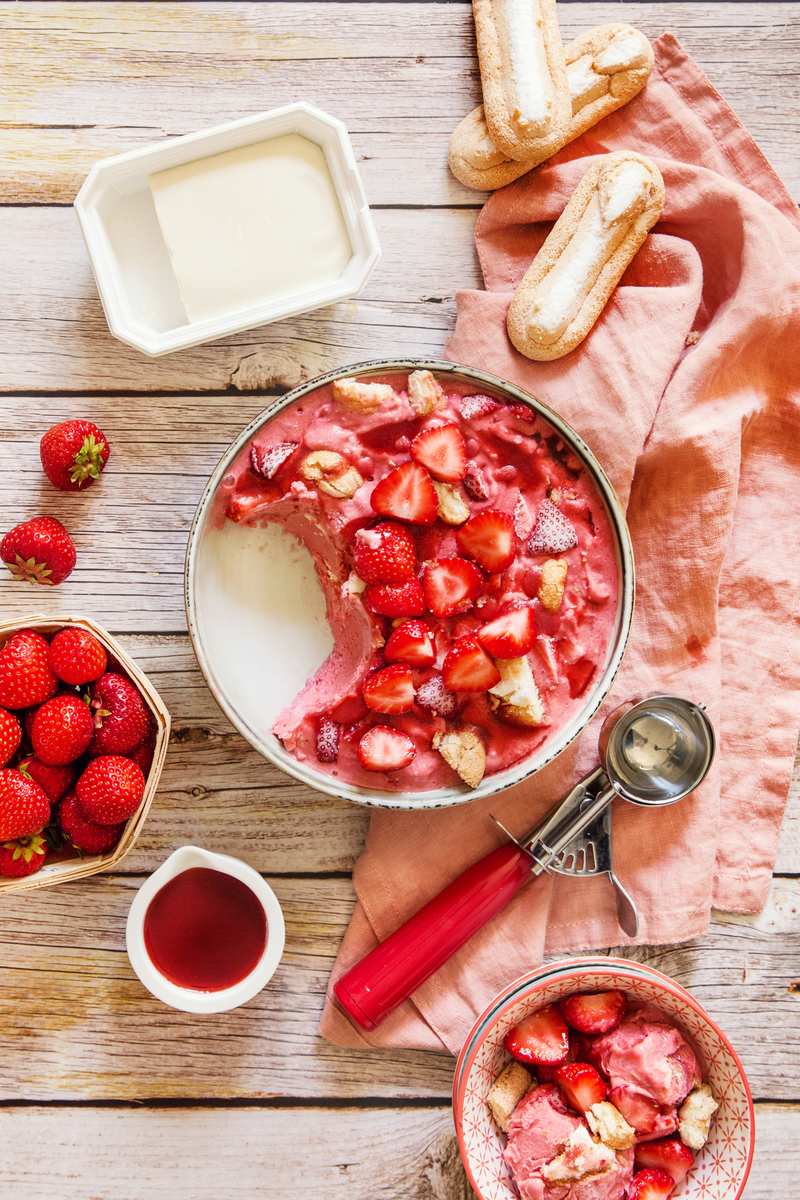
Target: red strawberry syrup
205 930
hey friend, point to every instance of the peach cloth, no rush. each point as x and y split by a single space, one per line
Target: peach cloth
700 436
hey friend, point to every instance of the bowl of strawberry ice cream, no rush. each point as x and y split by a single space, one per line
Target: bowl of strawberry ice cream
598 1079
409 584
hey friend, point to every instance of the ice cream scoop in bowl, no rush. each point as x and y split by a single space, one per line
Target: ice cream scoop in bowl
720 1167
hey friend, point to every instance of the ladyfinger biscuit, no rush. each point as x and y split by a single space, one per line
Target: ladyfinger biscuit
567 286
524 76
606 68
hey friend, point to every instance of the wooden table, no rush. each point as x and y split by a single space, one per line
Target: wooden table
104 1092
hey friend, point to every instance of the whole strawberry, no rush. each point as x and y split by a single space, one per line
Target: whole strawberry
55 782
76 656
10 736
24 808
25 678
61 730
143 754
84 835
23 856
39 551
109 790
121 717
73 455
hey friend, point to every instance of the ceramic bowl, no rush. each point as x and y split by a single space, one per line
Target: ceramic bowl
721 1168
256 612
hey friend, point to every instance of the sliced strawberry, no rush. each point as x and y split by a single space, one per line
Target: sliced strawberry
474 483
412 642
594 1012
667 1154
651 1184
390 690
510 635
408 494
385 749
385 554
434 697
396 599
579 675
581 1085
450 585
477 406
649 1119
267 460
540 1038
441 450
327 740
489 539
349 710
468 668
553 533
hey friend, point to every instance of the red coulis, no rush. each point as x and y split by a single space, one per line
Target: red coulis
205 930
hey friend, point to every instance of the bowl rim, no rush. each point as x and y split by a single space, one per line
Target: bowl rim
444 797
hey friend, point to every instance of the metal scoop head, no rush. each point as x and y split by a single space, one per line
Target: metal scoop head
659 750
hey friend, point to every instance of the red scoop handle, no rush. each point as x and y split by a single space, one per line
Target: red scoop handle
389 974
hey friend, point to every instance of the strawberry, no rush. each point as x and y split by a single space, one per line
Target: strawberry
540 1038
408 494
474 483
267 461
84 835
468 668
55 782
61 730
510 635
39 551
434 697
10 736
349 710
24 808
651 1184
22 856
390 690
385 554
440 449
579 675
25 678
412 642
594 1012
385 749
553 533
110 790
477 406
395 599
121 717
142 754
667 1154
76 656
327 738
450 585
73 455
489 538
581 1085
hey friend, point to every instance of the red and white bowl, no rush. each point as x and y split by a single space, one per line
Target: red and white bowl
720 1169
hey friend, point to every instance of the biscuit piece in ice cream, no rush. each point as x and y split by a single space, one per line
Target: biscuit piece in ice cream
606 68
506 1092
585 255
462 750
524 75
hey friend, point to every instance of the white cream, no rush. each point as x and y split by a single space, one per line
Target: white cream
625 52
528 65
251 224
585 84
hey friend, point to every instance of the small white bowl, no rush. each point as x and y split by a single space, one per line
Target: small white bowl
188 999
131 264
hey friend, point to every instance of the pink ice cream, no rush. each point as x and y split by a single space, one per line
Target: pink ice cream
517 461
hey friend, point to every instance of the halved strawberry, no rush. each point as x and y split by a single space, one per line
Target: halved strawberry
412 642
441 450
408 494
474 483
468 668
553 533
385 749
594 1012
651 1184
510 635
490 539
390 690
395 599
581 1085
450 585
385 554
327 740
540 1038
434 697
477 406
266 460
667 1154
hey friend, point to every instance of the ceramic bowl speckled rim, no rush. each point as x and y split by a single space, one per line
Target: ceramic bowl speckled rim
721 1168
270 746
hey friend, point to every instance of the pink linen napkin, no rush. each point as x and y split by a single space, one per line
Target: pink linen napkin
687 390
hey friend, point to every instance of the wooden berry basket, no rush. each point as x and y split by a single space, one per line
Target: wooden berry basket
77 868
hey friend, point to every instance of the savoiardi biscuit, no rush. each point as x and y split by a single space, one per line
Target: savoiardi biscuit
585 254
606 68
523 74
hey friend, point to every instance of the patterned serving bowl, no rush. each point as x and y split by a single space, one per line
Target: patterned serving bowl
720 1169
